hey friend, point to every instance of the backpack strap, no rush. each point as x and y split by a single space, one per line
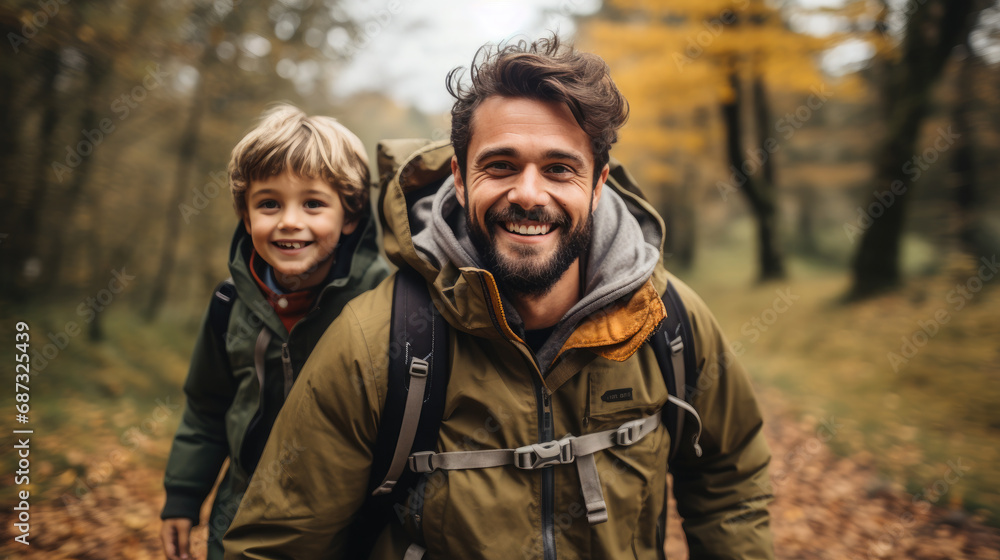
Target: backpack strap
673 346
221 308
414 405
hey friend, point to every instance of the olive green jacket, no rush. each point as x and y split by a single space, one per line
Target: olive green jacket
502 395
229 411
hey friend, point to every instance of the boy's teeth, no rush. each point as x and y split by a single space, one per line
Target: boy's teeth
528 230
290 245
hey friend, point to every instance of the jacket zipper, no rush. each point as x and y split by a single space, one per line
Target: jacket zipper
286 366
545 433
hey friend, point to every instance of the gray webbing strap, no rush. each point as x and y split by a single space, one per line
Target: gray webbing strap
260 353
677 359
429 461
593 495
687 406
540 455
408 429
414 552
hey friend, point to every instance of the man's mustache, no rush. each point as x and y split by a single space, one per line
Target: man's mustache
515 213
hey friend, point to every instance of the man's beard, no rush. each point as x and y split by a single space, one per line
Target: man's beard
522 274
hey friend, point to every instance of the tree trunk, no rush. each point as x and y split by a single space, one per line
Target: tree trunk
759 192
98 70
963 164
27 234
933 30
806 224
185 164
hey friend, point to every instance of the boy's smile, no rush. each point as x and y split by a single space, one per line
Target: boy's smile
295 224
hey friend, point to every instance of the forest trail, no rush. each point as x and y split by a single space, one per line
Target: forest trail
827 507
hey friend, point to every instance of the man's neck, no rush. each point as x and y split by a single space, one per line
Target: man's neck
539 312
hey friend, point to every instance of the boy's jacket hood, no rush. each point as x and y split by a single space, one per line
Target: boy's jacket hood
425 228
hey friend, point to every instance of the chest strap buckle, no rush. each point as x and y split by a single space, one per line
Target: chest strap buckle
541 455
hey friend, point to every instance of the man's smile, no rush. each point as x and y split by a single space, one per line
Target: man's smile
522 228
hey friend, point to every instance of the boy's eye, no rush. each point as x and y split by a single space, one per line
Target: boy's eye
313 204
269 204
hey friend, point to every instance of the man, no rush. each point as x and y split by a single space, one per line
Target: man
550 282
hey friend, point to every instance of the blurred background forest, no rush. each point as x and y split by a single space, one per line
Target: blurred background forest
824 168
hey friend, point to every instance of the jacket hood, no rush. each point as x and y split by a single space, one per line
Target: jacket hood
425 228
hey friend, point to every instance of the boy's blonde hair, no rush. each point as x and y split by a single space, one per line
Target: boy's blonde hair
313 147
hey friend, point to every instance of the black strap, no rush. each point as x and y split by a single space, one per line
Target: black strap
220 309
676 324
417 331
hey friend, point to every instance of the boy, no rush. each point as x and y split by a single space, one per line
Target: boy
305 247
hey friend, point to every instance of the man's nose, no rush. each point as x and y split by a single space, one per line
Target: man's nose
529 190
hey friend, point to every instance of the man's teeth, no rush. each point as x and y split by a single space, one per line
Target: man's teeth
528 230
295 245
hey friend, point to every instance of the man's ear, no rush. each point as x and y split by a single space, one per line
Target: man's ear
459 183
599 187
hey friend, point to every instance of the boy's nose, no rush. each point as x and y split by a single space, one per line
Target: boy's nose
290 219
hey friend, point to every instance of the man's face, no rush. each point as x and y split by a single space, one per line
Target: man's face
528 191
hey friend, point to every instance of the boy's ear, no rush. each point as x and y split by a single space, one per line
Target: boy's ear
349 227
246 221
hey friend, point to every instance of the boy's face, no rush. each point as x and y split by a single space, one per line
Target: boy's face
295 224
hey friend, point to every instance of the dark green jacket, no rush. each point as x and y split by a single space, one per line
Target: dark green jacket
228 413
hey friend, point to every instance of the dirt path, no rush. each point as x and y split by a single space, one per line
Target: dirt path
829 507
826 508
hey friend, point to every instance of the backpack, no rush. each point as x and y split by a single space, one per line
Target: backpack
220 308
418 377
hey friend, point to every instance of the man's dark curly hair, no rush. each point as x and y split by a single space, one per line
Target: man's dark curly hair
545 70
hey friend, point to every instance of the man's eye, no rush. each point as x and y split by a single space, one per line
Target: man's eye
560 169
499 166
